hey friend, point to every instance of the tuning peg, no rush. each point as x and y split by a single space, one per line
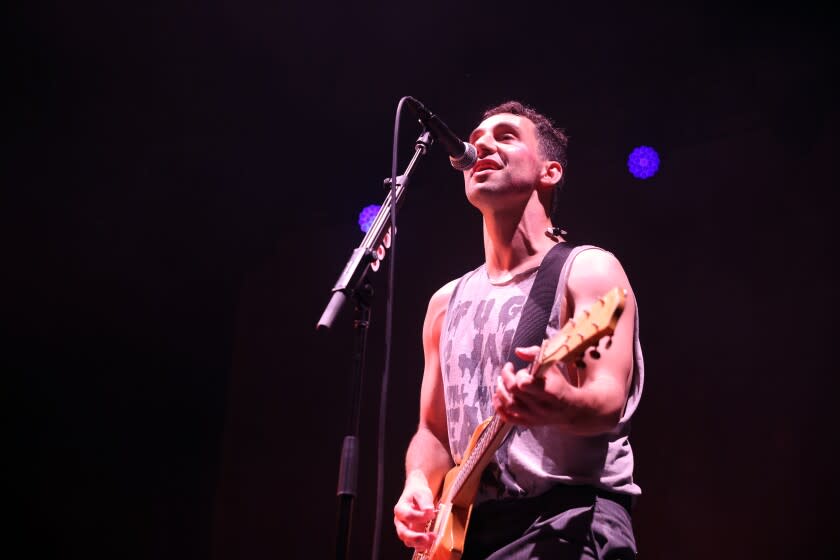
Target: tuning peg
609 343
594 354
580 363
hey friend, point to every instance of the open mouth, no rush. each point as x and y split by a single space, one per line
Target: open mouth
485 166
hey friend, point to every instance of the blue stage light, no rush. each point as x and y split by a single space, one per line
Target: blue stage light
367 215
643 162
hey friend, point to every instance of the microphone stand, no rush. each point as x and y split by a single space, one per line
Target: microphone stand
353 284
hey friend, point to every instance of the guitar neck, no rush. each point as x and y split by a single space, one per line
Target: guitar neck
490 440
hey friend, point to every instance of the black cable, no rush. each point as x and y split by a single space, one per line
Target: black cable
383 398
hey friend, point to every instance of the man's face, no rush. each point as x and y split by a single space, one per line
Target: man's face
509 160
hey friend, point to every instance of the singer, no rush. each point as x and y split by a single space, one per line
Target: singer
560 483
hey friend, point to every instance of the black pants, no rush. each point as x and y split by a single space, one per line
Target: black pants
567 522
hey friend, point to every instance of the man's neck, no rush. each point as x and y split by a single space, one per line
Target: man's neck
515 242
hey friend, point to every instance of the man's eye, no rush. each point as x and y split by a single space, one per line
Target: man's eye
508 136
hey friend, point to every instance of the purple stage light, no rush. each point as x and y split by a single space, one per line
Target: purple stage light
367 215
643 162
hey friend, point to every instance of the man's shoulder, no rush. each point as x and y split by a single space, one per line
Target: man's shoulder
436 309
592 257
595 270
440 299
446 291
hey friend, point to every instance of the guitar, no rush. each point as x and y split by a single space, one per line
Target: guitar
461 483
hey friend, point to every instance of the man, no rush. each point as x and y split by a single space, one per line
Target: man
561 485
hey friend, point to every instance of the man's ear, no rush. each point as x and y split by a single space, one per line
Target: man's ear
551 174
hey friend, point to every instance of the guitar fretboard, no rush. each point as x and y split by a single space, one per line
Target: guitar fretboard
481 446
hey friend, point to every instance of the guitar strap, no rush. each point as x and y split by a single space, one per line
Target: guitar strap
537 309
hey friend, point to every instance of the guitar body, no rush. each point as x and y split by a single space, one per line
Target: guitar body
460 487
450 531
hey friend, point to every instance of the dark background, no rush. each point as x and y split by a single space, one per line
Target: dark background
181 188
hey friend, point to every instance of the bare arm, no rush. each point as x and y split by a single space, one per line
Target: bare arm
591 399
427 459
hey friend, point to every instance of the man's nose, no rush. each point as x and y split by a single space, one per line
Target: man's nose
485 144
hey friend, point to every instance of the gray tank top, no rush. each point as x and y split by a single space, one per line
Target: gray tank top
475 341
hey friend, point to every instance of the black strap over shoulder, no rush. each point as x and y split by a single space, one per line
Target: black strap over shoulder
535 314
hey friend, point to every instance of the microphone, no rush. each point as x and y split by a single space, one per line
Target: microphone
462 155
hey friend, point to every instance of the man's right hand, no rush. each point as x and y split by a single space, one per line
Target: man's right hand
413 512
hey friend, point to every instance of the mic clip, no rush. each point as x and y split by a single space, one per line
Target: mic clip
554 231
386 183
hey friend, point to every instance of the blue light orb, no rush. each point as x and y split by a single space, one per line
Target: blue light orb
643 162
367 215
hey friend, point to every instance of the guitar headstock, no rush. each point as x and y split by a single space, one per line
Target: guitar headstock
586 330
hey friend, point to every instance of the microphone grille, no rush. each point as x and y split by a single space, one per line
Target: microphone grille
465 160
